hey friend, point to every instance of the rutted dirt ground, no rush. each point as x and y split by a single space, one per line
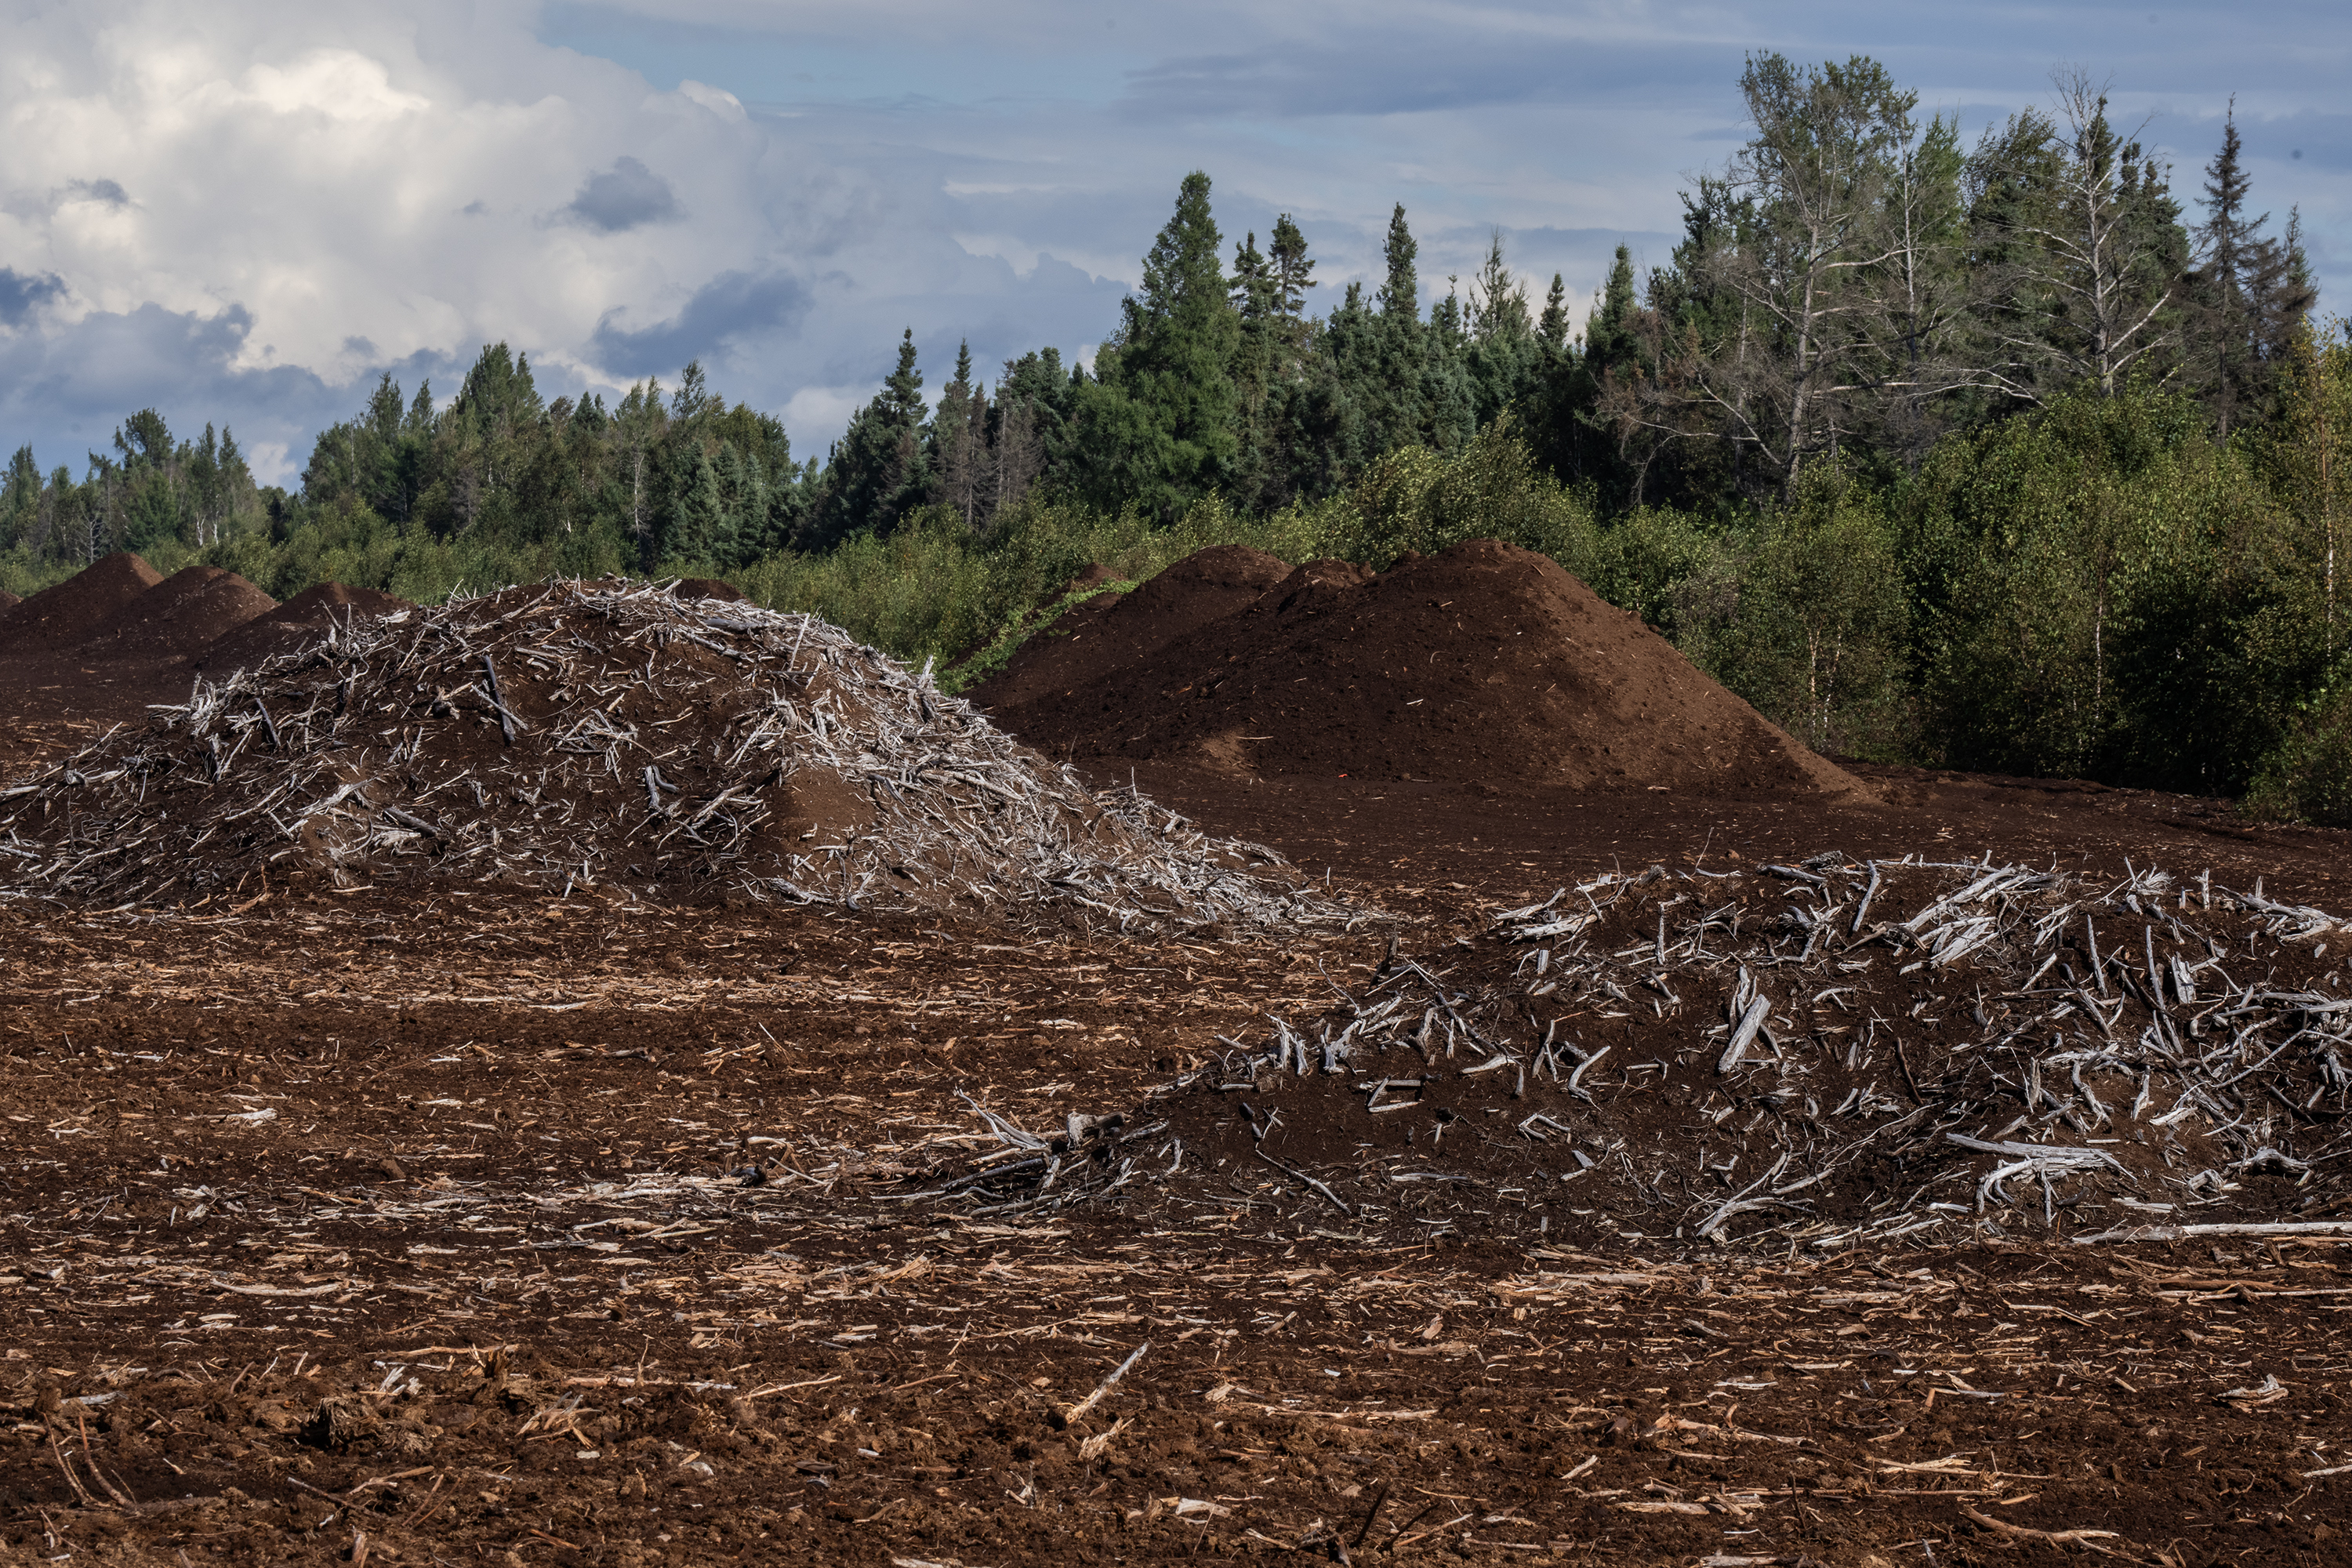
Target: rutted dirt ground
539 1231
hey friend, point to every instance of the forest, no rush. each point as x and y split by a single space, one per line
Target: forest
2003 456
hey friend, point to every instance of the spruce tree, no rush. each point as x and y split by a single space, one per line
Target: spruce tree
1551 327
879 471
1159 428
1401 294
2249 296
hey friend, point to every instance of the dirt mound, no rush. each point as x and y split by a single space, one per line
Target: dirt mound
178 617
296 623
60 618
585 735
8 602
708 588
1487 663
1115 631
1675 1060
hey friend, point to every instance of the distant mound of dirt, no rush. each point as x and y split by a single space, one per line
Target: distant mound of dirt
1487 663
707 588
8 602
1113 631
296 623
60 618
178 617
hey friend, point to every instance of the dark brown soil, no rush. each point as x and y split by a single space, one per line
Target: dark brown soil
707 588
178 617
1112 632
8 602
294 625
534 1231
56 618
1485 664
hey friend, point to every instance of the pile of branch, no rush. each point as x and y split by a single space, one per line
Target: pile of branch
609 735
1826 1055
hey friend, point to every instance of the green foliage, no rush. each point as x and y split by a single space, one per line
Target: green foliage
1415 499
2308 776
1978 458
1817 638
2092 589
1158 426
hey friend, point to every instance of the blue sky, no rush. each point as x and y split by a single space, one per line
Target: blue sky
246 212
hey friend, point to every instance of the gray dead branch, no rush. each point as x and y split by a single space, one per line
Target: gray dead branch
2172 1088
609 736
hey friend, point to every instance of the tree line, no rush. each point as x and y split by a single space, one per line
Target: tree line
1996 454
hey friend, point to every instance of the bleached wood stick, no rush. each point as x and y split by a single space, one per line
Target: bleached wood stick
1104 1387
1744 1035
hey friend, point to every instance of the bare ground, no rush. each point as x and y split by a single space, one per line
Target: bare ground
505 1230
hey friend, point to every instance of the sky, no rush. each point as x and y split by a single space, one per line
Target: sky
244 212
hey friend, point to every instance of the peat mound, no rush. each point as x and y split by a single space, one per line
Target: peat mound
1112 632
56 618
177 618
1815 1057
1485 663
296 623
708 588
615 735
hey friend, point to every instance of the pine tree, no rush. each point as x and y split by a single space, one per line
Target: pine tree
2249 296
1158 428
879 471
1609 338
1293 268
1551 327
959 454
1498 301
1400 295
20 500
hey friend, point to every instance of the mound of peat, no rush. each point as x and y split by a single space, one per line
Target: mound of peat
707 588
612 734
295 625
58 618
1825 1057
1115 631
1485 663
178 617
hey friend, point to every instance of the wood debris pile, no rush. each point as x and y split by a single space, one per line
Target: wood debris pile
1822 1055
610 735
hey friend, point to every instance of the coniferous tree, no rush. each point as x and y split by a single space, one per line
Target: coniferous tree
2081 253
879 472
2247 297
960 450
1293 274
1158 425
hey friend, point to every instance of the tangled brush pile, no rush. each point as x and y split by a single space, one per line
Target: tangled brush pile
610 733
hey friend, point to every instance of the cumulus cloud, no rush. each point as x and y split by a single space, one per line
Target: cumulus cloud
621 197
21 295
729 307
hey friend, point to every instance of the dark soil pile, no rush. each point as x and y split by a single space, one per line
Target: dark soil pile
1822 1057
8 602
1112 632
586 734
178 617
1487 663
707 588
296 623
58 618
